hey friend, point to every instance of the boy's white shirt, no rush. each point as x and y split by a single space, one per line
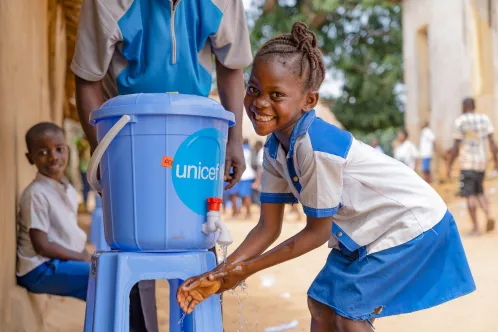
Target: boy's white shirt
376 202
51 207
427 139
407 153
249 173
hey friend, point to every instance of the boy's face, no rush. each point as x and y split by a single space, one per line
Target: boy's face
49 153
274 98
468 106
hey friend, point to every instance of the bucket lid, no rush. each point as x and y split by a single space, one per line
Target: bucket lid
161 103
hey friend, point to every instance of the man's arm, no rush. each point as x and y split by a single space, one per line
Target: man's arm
494 149
231 90
89 97
45 248
453 155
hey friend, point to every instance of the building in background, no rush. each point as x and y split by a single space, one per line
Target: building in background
450 52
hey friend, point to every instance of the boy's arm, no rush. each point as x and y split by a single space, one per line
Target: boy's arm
231 91
494 149
453 155
45 248
89 96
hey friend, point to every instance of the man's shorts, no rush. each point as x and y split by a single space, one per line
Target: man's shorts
471 183
426 165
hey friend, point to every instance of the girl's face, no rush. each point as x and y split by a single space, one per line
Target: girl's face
275 99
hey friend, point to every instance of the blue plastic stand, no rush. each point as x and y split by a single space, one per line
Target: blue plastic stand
114 273
97 234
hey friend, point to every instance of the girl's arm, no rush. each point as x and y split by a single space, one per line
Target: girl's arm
195 290
316 233
45 248
262 235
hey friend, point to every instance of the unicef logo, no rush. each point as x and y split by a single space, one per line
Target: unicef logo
198 169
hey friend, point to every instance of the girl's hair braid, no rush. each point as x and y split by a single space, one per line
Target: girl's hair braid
300 42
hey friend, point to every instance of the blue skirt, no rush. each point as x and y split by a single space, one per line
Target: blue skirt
422 273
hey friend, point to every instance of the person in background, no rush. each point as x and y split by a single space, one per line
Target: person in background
51 254
84 159
247 180
258 162
471 131
406 152
376 145
427 149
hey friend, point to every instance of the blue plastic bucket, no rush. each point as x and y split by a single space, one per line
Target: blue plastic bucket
161 156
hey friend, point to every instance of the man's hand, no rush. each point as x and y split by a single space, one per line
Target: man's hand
231 89
234 159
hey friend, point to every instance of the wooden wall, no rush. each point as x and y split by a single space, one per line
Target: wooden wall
30 91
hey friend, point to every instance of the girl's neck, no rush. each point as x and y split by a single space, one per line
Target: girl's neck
283 135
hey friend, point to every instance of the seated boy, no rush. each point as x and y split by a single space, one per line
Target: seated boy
51 255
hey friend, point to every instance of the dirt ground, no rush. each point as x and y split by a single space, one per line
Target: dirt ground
277 296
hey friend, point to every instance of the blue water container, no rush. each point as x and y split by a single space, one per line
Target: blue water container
161 156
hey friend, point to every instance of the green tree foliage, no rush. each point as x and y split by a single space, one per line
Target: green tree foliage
362 45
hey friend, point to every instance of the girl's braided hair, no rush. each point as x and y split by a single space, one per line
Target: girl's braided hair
298 50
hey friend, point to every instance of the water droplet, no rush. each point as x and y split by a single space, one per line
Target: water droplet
182 318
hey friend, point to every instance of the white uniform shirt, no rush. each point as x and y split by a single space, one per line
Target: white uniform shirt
406 153
427 139
52 208
249 173
377 202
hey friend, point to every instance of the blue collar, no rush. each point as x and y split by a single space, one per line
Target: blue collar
299 129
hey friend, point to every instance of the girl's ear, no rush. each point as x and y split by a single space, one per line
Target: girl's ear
311 101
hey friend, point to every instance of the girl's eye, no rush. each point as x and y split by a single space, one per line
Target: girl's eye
277 95
42 153
60 149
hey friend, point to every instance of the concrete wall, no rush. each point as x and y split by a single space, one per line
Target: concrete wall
438 78
25 100
450 52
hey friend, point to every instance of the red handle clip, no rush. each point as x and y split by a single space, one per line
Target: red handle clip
214 203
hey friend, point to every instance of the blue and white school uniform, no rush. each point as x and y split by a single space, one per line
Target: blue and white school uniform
51 207
249 175
396 248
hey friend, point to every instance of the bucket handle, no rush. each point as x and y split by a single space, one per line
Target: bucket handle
93 165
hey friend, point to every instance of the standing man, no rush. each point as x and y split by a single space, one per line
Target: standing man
144 46
427 149
471 132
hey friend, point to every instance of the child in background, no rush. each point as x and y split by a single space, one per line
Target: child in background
396 247
84 159
247 179
51 255
406 151
427 149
